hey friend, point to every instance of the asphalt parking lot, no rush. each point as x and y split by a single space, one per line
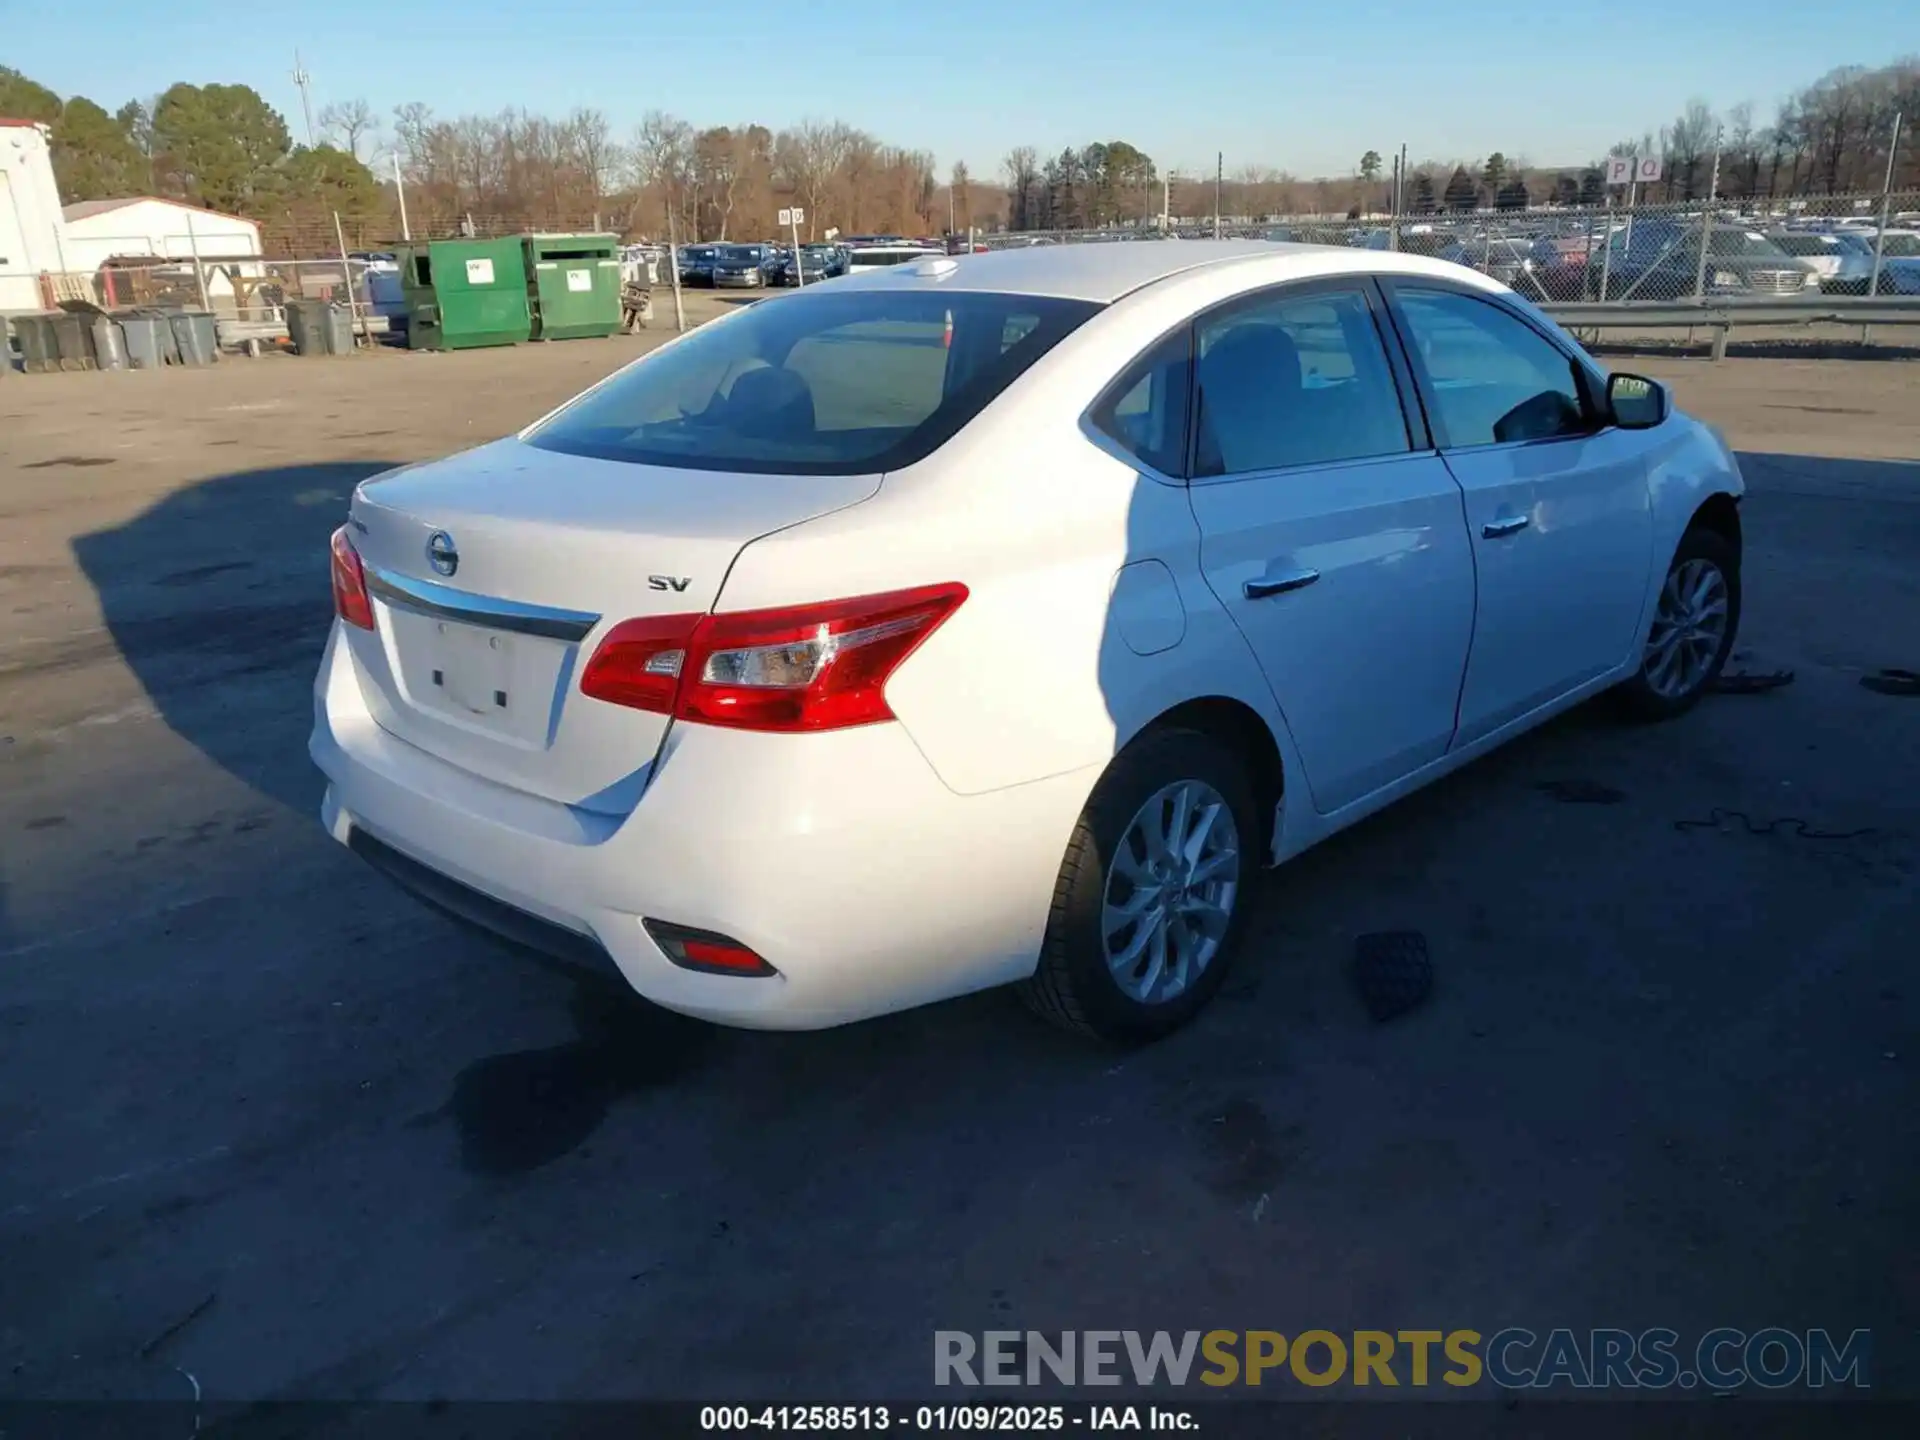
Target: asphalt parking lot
266 1123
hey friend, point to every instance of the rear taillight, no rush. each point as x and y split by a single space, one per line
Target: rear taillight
807 667
350 601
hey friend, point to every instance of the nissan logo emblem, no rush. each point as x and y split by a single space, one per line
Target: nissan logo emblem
441 553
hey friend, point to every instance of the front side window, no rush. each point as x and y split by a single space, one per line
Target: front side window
1298 379
817 384
1494 379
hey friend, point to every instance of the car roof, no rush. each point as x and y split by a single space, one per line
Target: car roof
1104 273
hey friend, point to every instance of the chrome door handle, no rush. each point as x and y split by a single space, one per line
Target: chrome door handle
1512 525
1279 584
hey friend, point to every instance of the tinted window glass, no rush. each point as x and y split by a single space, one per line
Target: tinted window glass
1494 378
827 384
1146 411
1294 380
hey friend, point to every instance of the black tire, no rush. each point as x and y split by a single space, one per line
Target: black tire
1637 698
1072 986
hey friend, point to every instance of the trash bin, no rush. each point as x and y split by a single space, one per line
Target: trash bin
307 326
163 332
194 333
109 342
573 285
39 352
461 294
148 338
339 329
72 338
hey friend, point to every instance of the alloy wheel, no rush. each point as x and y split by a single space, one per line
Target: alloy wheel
1689 629
1170 891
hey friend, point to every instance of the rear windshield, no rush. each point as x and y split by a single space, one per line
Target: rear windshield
817 384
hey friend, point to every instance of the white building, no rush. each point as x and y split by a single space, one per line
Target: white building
98 230
32 230
39 238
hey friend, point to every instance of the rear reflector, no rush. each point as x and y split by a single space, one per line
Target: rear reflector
800 668
705 951
350 600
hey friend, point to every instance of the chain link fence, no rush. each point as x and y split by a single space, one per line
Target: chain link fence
248 298
1799 249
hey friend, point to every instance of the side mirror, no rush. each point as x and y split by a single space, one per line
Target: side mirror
1636 402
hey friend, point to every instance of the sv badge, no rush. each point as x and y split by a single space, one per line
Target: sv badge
675 583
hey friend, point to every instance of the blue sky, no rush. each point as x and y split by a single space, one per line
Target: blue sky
1304 87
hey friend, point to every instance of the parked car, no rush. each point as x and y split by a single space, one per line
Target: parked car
743 266
1660 260
1839 257
1508 260
1414 239
1899 263
820 262
902 639
874 257
696 264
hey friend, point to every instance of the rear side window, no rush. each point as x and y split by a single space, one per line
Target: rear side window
1145 412
1294 380
817 384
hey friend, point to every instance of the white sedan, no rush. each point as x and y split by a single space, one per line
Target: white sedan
993 621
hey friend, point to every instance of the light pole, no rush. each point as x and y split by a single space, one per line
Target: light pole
302 79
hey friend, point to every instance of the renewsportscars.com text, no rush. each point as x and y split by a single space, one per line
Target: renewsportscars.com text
1511 1359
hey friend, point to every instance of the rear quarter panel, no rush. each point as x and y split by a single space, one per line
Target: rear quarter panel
1032 676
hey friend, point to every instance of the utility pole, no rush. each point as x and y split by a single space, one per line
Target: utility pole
1706 221
400 190
305 81
1219 173
1886 200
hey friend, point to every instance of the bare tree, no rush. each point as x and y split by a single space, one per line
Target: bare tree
719 169
1689 141
1742 169
661 157
1022 169
960 191
349 122
591 139
808 158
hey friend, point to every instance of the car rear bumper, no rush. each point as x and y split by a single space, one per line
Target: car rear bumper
840 857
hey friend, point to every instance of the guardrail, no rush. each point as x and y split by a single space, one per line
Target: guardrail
1723 316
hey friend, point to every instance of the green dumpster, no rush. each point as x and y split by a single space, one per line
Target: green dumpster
462 294
573 284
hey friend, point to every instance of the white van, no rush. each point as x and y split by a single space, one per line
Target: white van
873 257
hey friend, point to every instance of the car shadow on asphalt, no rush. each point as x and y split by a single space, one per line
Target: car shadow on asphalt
518 1111
217 598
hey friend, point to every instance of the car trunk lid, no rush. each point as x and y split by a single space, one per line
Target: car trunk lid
493 574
